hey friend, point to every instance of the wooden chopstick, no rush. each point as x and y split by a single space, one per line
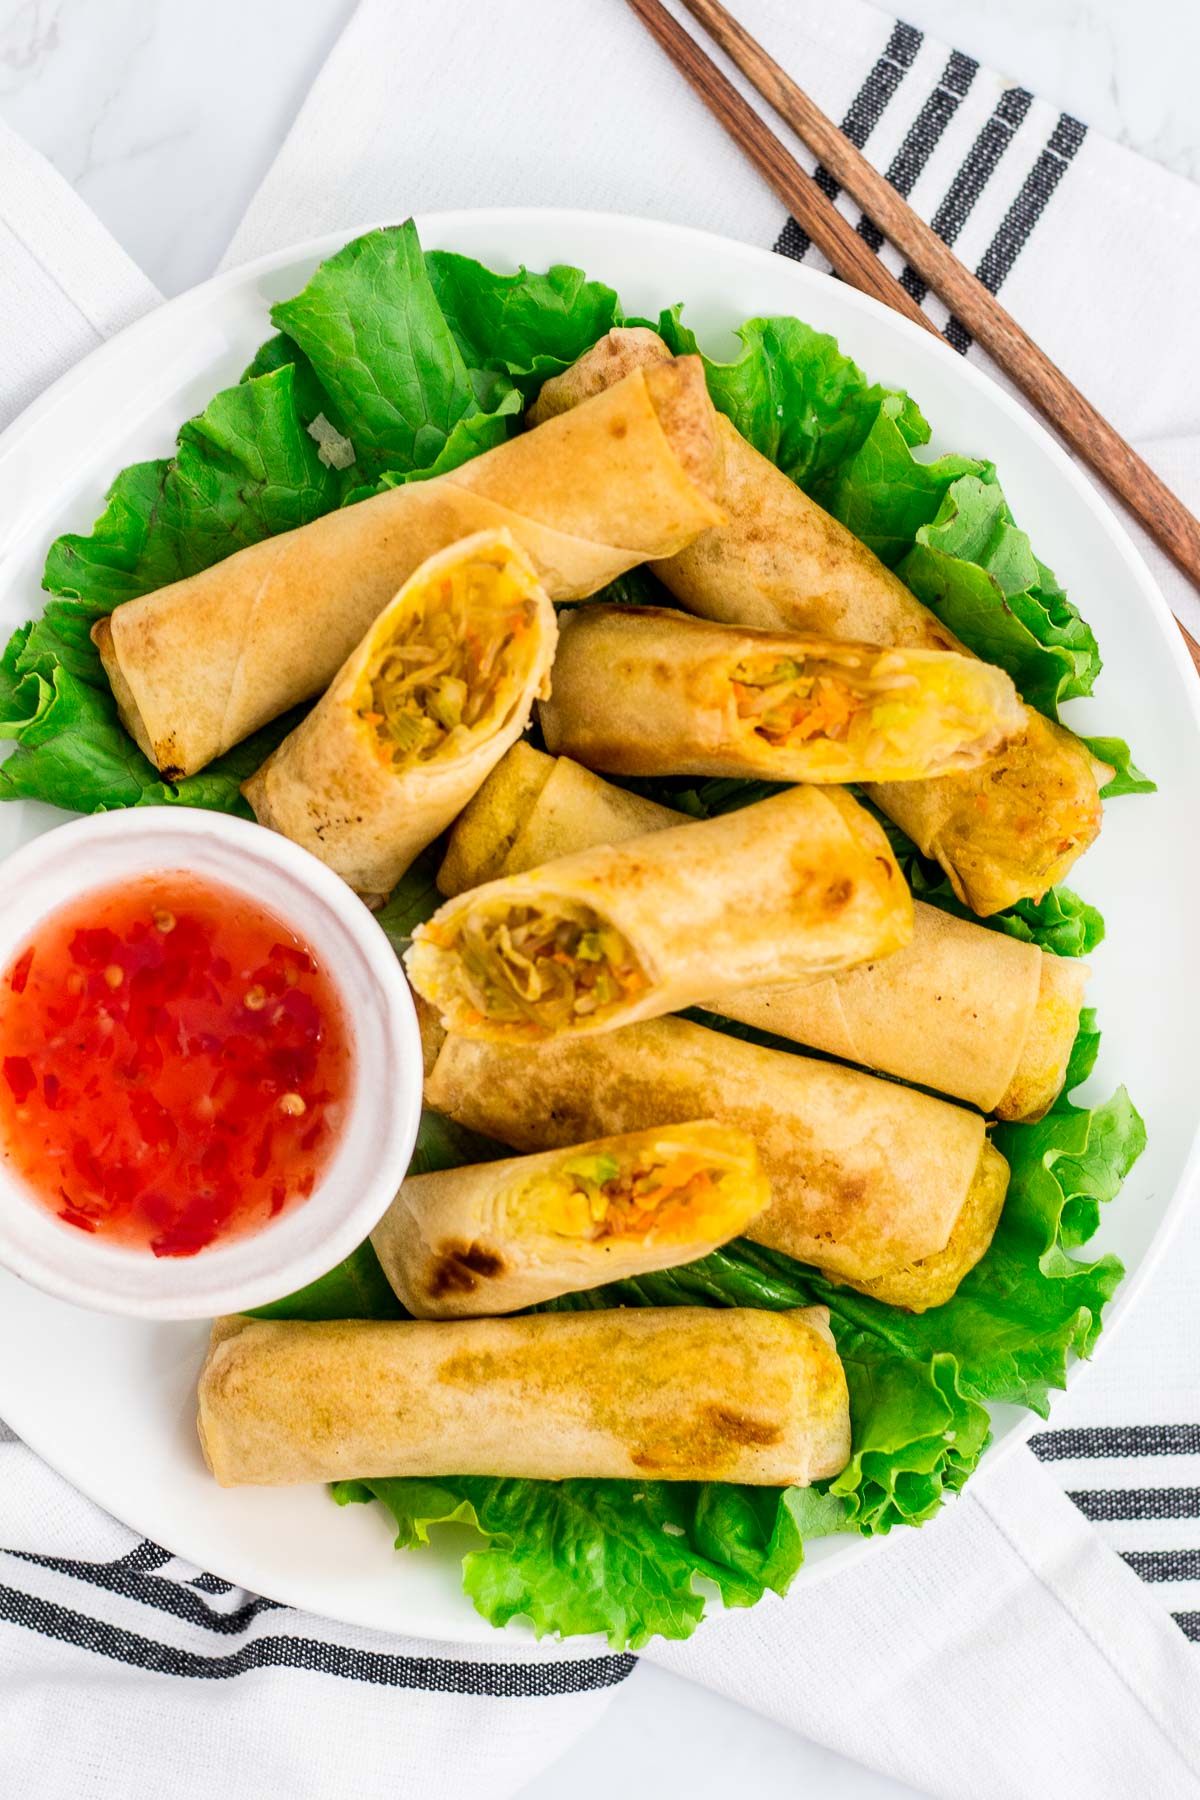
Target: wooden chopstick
851 256
1165 517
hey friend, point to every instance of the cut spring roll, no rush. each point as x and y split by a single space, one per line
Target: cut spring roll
199 665
788 890
779 563
441 685
642 690
880 1187
673 1393
970 1012
497 1237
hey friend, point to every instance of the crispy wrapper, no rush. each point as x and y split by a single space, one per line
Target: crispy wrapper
880 1187
642 690
488 825
672 1394
780 563
1012 829
341 785
497 1237
199 665
970 1012
789 889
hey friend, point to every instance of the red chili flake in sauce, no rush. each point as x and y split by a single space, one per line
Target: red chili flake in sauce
175 1066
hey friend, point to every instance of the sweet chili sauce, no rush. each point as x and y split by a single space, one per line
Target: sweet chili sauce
175 1066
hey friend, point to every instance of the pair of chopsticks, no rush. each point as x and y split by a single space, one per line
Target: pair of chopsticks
1165 517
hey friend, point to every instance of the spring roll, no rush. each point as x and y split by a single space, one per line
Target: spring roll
672 1393
970 1012
788 890
500 1236
488 826
880 1187
441 685
1012 829
641 690
779 563
199 665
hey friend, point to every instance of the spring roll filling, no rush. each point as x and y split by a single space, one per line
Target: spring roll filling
786 702
535 969
448 666
662 1191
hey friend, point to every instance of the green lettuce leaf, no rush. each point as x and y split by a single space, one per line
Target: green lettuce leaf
974 568
380 346
414 898
469 437
528 326
1126 777
884 493
794 395
355 1289
243 470
617 1557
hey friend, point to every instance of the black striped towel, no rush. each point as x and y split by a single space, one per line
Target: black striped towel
1003 1654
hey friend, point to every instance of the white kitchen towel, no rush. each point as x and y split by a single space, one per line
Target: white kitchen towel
1006 1651
126 1674
1011 1654
65 284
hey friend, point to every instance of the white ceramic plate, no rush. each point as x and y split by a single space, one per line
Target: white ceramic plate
109 1402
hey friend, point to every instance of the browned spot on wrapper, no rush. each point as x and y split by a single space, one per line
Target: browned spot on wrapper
459 1267
739 1428
715 1437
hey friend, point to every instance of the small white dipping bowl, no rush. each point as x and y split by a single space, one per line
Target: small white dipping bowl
370 1160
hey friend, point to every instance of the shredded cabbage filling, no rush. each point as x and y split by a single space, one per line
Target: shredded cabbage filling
448 665
879 712
539 969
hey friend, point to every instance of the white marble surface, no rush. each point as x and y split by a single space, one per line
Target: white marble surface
164 114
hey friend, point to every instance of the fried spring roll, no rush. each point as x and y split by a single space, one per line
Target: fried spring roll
674 1394
199 665
500 1236
1013 828
970 1012
642 690
880 1187
779 563
441 685
788 890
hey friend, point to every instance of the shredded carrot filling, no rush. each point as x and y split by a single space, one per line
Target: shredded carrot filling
662 1193
787 702
871 708
539 969
447 665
